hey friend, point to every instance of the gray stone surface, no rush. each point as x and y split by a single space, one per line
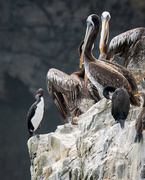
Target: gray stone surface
96 148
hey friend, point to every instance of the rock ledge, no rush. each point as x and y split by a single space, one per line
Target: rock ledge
96 148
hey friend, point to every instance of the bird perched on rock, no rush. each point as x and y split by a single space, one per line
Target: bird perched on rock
140 122
127 45
35 113
102 73
120 103
68 91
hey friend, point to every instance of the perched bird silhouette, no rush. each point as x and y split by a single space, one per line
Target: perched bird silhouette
35 113
120 103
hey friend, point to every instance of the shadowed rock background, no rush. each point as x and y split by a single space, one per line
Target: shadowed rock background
36 35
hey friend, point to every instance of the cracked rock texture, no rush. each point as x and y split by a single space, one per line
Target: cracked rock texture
96 148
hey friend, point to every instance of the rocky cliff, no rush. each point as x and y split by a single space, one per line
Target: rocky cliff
35 36
96 148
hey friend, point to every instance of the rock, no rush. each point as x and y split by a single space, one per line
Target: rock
96 148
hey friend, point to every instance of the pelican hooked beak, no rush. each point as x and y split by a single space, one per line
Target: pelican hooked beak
88 32
105 30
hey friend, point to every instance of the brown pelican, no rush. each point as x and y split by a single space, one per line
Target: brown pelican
128 45
104 48
140 122
99 72
68 91
120 103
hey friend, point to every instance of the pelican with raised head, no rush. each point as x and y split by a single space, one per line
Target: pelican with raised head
102 73
104 37
128 45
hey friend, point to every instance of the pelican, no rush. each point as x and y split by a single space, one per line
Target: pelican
99 72
128 45
103 45
68 91
120 103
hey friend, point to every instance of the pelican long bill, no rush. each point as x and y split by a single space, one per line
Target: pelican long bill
88 31
104 33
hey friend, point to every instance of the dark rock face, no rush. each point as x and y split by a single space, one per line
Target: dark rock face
35 36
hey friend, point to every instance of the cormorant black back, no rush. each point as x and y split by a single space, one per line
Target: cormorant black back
120 103
35 113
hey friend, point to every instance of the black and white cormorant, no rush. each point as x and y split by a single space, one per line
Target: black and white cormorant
120 103
140 122
35 113
102 73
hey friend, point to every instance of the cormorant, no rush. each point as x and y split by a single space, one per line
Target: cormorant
120 103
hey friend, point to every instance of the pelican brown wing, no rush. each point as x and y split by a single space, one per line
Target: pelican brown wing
99 72
138 57
61 86
119 81
125 72
124 44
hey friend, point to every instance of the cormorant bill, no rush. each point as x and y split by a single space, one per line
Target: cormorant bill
35 113
120 103
140 122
